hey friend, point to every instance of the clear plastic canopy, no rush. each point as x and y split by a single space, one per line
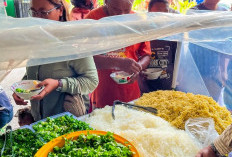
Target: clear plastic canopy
34 41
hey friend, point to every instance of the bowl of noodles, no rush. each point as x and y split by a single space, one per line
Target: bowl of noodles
26 89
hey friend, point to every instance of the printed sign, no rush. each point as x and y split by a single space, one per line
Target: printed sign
163 57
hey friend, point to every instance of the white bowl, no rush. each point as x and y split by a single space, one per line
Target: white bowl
153 73
121 77
26 85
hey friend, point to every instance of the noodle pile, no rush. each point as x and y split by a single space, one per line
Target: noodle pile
177 107
151 135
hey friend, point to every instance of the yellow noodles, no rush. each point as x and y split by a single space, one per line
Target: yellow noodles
177 107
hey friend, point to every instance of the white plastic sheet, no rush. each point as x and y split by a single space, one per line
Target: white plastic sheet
33 38
33 41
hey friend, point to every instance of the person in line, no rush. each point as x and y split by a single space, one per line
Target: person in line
209 5
160 6
65 82
6 109
163 55
132 59
81 8
221 146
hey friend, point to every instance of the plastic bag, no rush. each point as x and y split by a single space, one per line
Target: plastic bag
201 130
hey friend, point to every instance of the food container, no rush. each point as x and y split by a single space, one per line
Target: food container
153 73
121 77
26 85
44 151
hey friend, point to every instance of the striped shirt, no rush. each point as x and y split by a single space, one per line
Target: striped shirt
223 143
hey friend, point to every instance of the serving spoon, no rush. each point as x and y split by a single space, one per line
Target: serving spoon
117 102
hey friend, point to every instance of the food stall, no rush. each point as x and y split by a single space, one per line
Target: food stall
31 41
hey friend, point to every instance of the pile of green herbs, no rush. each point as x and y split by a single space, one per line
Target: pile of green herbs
92 145
25 143
55 127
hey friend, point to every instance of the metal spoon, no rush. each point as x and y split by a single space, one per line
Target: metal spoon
8 130
117 102
35 89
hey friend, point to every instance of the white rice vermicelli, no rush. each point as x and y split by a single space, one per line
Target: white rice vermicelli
151 135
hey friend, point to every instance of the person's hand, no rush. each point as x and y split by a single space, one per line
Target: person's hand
143 75
206 152
133 78
129 65
49 84
18 100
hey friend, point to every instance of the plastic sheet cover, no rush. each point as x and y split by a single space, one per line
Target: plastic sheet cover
203 63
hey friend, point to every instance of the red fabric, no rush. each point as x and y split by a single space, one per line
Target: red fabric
96 14
5 3
107 90
78 13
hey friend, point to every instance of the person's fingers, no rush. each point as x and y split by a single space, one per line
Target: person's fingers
18 100
129 65
40 96
139 66
133 78
21 102
199 155
135 68
40 84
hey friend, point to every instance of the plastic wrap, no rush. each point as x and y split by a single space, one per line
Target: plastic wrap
201 130
47 41
34 41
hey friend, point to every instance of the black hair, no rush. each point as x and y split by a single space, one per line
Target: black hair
59 5
82 4
152 2
24 112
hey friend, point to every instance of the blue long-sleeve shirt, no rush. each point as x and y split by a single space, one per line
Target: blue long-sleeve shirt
4 101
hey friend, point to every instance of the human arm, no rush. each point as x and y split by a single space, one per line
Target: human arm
144 53
220 147
206 152
125 64
143 62
85 81
224 142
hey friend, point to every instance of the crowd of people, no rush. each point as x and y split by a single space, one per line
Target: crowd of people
66 83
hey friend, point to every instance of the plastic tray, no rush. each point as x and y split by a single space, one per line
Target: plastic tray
55 116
